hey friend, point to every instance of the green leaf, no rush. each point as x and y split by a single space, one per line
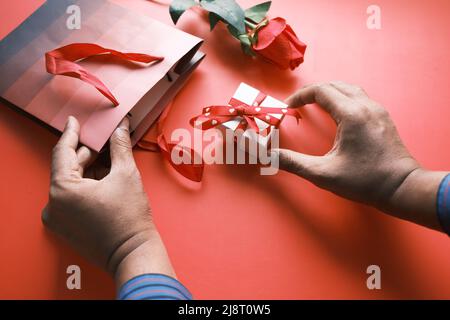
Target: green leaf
228 10
213 20
244 39
234 32
258 12
178 7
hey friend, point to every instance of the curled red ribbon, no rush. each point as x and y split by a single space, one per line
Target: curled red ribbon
191 171
61 61
214 116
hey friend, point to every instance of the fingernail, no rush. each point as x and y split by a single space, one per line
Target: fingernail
126 121
70 121
124 124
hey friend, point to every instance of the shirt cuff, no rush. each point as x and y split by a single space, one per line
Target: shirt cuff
443 204
153 287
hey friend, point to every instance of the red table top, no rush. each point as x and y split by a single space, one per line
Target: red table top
241 235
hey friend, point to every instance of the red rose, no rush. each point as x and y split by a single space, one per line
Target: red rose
278 44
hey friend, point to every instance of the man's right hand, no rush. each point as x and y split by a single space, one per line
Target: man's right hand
368 162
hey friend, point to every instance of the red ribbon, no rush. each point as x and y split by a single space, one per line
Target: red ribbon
61 61
191 171
214 116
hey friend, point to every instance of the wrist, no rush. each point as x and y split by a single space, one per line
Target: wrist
144 253
133 242
415 198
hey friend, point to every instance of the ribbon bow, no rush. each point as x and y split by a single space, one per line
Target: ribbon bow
214 116
62 61
155 141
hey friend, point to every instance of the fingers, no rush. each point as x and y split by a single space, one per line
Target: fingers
120 146
64 155
71 133
85 157
328 97
349 90
306 166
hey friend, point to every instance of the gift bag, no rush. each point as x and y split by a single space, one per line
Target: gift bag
140 90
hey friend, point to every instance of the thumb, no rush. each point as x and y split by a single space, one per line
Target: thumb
120 145
303 165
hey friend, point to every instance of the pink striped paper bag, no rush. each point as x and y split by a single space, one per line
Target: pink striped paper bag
142 90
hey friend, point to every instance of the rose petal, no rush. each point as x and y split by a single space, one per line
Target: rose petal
290 34
278 44
267 34
278 53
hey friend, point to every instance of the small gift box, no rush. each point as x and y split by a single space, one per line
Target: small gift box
256 113
251 97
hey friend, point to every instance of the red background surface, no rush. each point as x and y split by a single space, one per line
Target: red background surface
241 235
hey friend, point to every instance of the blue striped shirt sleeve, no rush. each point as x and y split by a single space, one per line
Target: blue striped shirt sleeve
443 204
153 287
